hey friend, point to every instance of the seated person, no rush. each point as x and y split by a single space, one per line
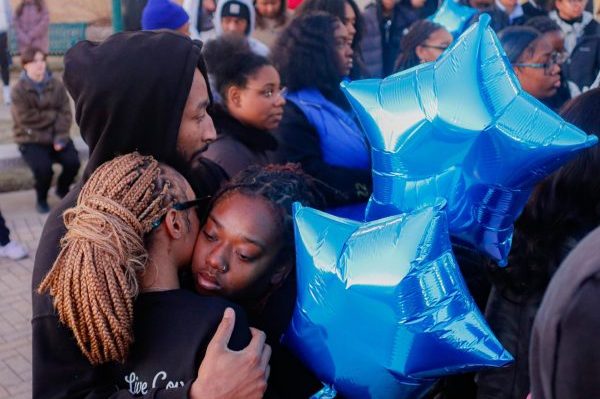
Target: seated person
116 278
41 122
245 252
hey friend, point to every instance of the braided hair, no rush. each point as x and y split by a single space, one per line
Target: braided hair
94 279
280 186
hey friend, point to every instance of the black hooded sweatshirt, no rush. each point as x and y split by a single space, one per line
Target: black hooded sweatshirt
129 93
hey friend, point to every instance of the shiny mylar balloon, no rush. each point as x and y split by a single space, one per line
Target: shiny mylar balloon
462 129
382 308
453 16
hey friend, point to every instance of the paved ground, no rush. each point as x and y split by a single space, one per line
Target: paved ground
25 225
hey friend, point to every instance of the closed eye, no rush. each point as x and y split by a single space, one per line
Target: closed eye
208 236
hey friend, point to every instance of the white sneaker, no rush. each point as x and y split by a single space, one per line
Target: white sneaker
6 95
13 250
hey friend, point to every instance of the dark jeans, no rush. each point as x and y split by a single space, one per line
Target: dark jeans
40 159
4 57
4 233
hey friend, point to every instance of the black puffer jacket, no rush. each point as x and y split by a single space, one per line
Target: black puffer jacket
380 44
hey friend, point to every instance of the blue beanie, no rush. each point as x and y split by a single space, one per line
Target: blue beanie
163 14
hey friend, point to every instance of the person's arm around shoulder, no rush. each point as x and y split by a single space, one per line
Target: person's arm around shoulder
227 374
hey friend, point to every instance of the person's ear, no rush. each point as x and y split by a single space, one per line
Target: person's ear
420 51
174 224
234 95
518 72
282 272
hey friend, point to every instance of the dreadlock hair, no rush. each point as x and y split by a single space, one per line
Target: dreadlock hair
94 279
280 186
417 34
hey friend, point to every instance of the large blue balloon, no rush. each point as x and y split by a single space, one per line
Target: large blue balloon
453 16
382 309
462 129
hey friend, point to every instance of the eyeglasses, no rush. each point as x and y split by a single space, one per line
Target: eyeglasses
442 48
182 206
556 58
270 93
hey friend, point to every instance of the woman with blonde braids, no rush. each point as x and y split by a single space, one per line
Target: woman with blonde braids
116 278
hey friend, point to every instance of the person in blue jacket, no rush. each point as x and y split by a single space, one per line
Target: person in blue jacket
318 129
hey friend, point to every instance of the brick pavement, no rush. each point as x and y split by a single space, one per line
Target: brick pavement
25 225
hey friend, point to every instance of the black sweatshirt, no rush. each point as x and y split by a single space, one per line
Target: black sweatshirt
129 94
172 330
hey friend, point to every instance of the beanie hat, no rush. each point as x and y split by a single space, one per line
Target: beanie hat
163 14
236 9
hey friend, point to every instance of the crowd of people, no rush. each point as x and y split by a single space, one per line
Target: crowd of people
168 270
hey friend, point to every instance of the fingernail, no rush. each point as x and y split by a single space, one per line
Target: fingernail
228 313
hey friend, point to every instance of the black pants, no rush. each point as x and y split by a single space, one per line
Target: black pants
4 233
4 57
40 159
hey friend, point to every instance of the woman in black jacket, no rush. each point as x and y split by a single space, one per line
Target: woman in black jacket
252 101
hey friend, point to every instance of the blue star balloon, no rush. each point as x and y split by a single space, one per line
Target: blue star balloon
453 16
382 308
462 129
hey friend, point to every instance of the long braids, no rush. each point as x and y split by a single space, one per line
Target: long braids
94 279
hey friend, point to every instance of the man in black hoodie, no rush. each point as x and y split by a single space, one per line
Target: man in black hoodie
143 91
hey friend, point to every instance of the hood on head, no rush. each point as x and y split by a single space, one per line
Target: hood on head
219 11
130 92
